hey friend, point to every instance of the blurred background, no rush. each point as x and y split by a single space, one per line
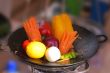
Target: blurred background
93 15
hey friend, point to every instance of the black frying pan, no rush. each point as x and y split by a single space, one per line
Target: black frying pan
86 46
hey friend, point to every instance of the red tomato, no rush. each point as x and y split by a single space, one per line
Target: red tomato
25 43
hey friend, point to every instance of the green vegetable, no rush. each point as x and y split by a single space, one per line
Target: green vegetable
69 55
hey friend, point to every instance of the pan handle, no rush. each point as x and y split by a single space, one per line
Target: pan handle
83 68
102 38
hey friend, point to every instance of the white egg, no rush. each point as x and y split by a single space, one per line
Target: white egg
52 54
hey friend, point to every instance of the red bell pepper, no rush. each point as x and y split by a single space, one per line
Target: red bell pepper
45 29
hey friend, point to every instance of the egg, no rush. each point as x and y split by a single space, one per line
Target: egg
52 54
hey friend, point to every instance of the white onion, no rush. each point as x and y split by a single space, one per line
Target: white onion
52 54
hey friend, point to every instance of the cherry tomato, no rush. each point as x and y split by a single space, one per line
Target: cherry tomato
25 43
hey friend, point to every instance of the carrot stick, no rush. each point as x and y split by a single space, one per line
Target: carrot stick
29 30
25 28
32 29
63 38
72 39
66 41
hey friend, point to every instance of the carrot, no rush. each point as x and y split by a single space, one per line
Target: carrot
32 29
62 43
25 28
72 39
63 38
66 42
27 31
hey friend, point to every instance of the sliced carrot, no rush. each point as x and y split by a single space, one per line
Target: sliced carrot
72 39
32 29
66 41
25 28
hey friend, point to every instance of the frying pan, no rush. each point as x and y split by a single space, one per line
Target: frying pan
86 46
